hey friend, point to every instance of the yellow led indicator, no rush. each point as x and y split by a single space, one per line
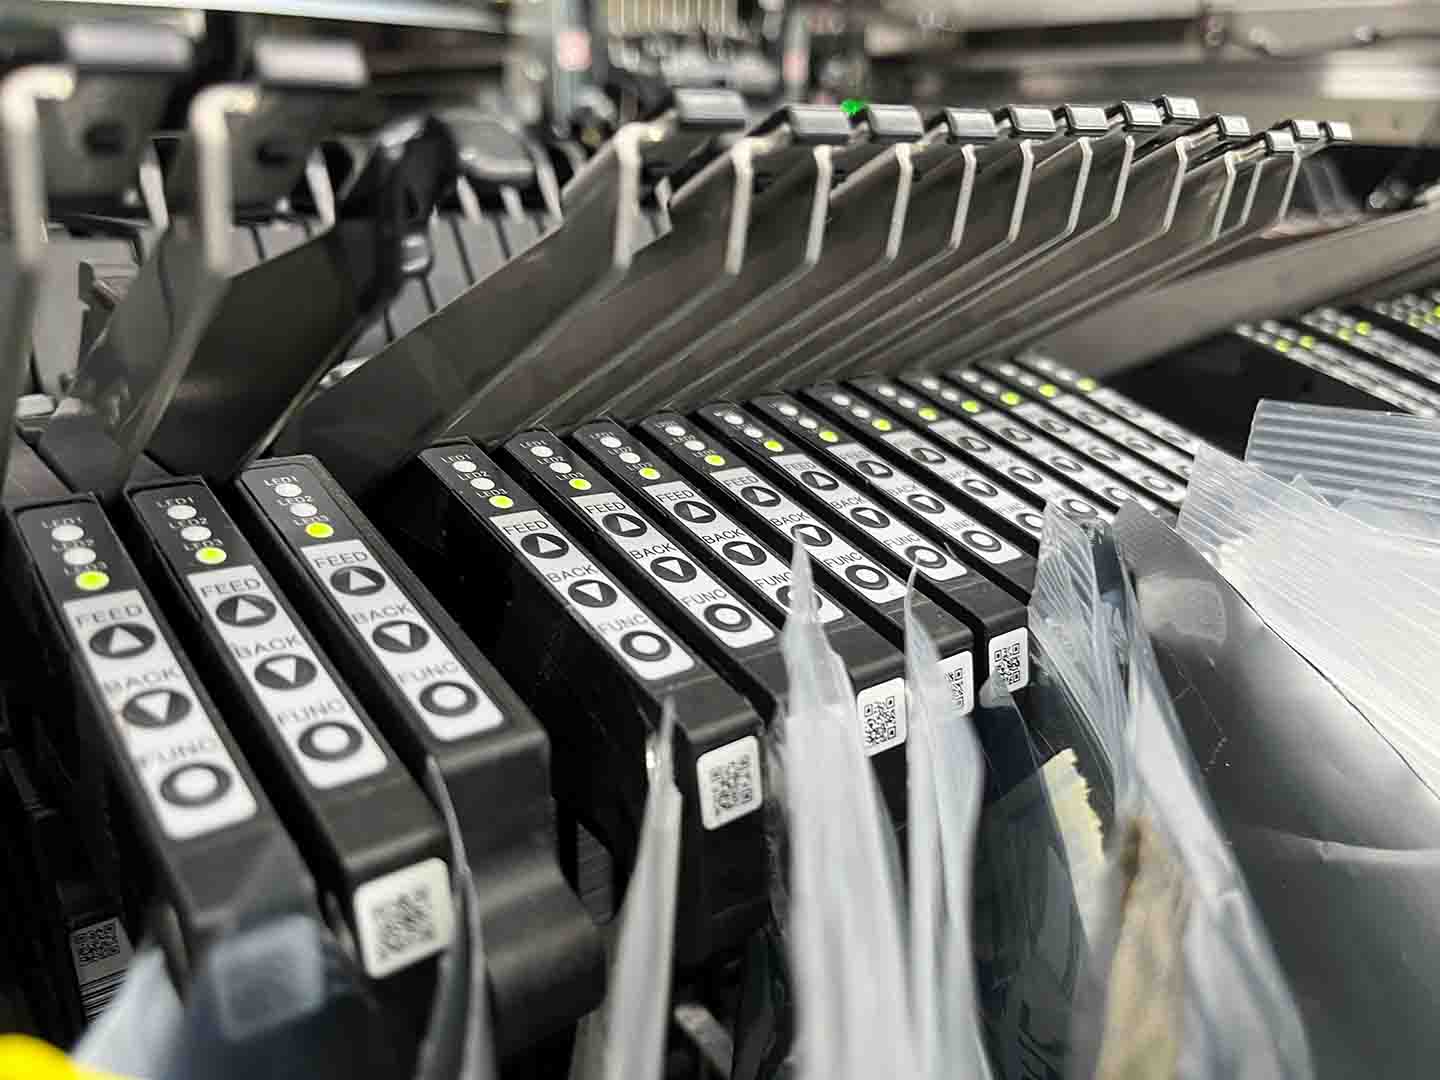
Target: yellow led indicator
1362 328
773 445
1087 384
1048 389
320 530
928 413
1344 335
881 424
501 502
1306 341
579 483
829 436
1282 345
650 473
92 580
211 556
1009 397
714 459
970 405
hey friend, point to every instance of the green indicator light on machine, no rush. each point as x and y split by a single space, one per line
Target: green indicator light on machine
501 502
1048 389
320 530
881 424
928 413
1087 384
970 405
852 106
1282 345
1009 397
650 473
1344 335
210 556
827 435
579 483
714 459
1362 328
92 580
1307 341
773 445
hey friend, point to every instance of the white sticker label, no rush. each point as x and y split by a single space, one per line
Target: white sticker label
945 516
725 616
1080 410
101 953
1097 449
1062 460
1141 417
1017 469
186 771
959 672
403 917
419 663
1010 658
963 477
761 566
933 562
881 711
729 781
824 544
593 596
328 740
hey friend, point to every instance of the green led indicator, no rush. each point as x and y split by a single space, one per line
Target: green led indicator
210 556
501 502
854 106
928 413
1282 345
714 459
650 473
829 436
1362 328
1087 384
320 530
1009 397
773 445
1307 341
579 483
1344 335
1048 390
881 424
92 580
970 405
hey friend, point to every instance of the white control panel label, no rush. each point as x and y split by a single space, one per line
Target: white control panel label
186 771
825 544
946 516
417 660
1061 460
881 710
1081 411
1020 471
933 562
1154 423
728 778
325 736
1097 449
758 563
642 643
709 603
968 480
403 917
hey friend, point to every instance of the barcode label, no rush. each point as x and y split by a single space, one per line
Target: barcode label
959 672
729 782
1010 658
404 917
101 953
881 710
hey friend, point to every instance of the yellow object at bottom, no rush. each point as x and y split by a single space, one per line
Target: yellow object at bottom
24 1058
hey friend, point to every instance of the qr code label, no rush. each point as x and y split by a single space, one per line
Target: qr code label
101 953
959 672
404 917
729 779
881 710
1010 658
